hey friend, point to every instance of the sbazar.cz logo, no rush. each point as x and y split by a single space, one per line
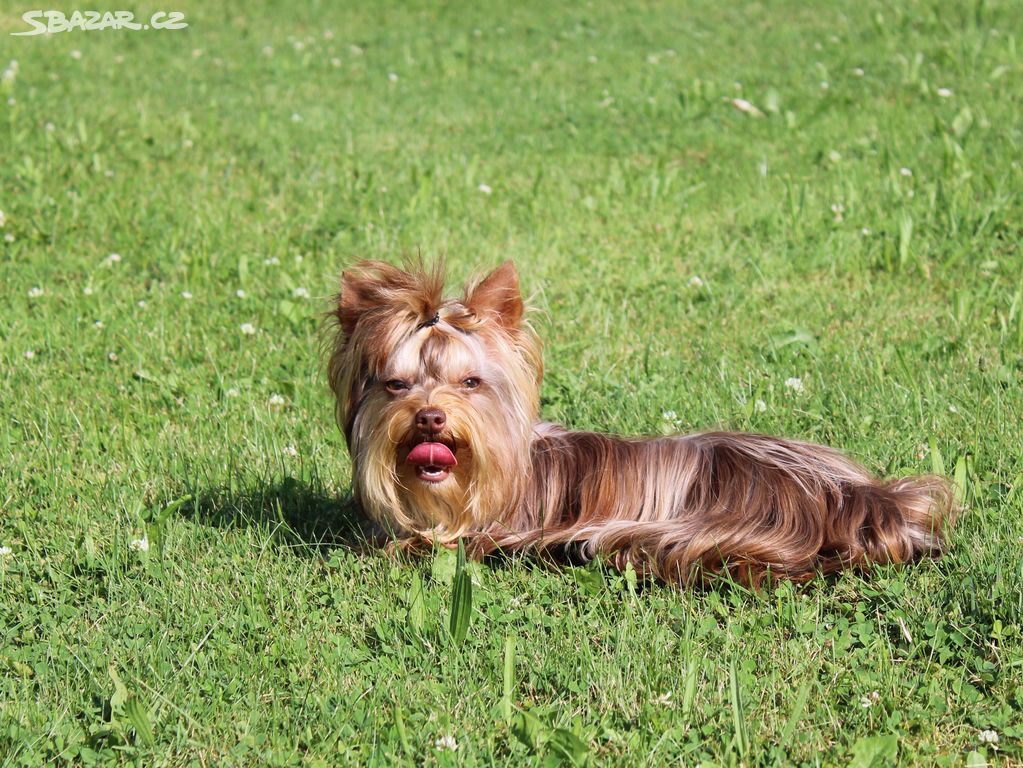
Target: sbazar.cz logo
43 22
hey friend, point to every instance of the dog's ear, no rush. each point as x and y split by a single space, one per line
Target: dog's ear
497 296
378 287
361 290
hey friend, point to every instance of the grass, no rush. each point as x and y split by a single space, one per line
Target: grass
863 236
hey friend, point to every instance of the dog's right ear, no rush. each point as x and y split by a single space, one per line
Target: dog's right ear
386 291
359 292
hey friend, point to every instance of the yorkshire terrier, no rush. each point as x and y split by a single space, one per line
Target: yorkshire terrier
439 402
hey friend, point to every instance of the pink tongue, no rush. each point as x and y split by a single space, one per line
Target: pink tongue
432 455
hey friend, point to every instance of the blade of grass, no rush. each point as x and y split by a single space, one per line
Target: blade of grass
461 599
509 676
738 717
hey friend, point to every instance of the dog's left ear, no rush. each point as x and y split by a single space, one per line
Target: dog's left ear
497 295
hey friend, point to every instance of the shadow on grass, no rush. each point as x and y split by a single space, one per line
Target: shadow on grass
303 517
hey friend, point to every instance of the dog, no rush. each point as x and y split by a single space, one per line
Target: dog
439 403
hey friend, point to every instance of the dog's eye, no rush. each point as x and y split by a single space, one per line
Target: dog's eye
471 383
396 385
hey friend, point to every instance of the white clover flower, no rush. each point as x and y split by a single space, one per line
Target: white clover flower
139 545
3 219
834 156
945 93
5 551
865 231
858 71
273 261
296 118
112 357
276 401
113 258
591 59
446 742
11 101
290 450
141 304
355 50
744 106
485 189
795 384
759 406
187 144
298 45
392 77
652 59
87 290
905 172
35 292
268 50
664 700
49 127
837 209
870 699
240 293
186 295
232 392
669 416
196 53
328 34
99 325
695 282
76 54
8 238
335 62
119 58
29 354
300 292
248 329
987 737
824 85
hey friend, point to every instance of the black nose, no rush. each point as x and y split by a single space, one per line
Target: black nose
431 421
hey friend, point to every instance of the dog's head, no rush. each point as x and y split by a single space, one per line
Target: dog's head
436 397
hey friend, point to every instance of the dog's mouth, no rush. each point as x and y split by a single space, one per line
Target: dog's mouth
433 460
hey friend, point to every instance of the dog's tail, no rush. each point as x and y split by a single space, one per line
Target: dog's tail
755 506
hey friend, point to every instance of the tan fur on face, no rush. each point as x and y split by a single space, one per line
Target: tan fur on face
677 508
490 426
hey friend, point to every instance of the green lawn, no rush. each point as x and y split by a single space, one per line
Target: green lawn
859 232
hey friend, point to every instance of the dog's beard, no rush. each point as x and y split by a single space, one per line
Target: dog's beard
488 442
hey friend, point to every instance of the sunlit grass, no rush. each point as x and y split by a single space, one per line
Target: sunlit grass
789 218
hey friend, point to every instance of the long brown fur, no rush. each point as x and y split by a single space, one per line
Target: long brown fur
678 508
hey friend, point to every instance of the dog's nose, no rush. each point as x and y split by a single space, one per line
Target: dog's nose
431 421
